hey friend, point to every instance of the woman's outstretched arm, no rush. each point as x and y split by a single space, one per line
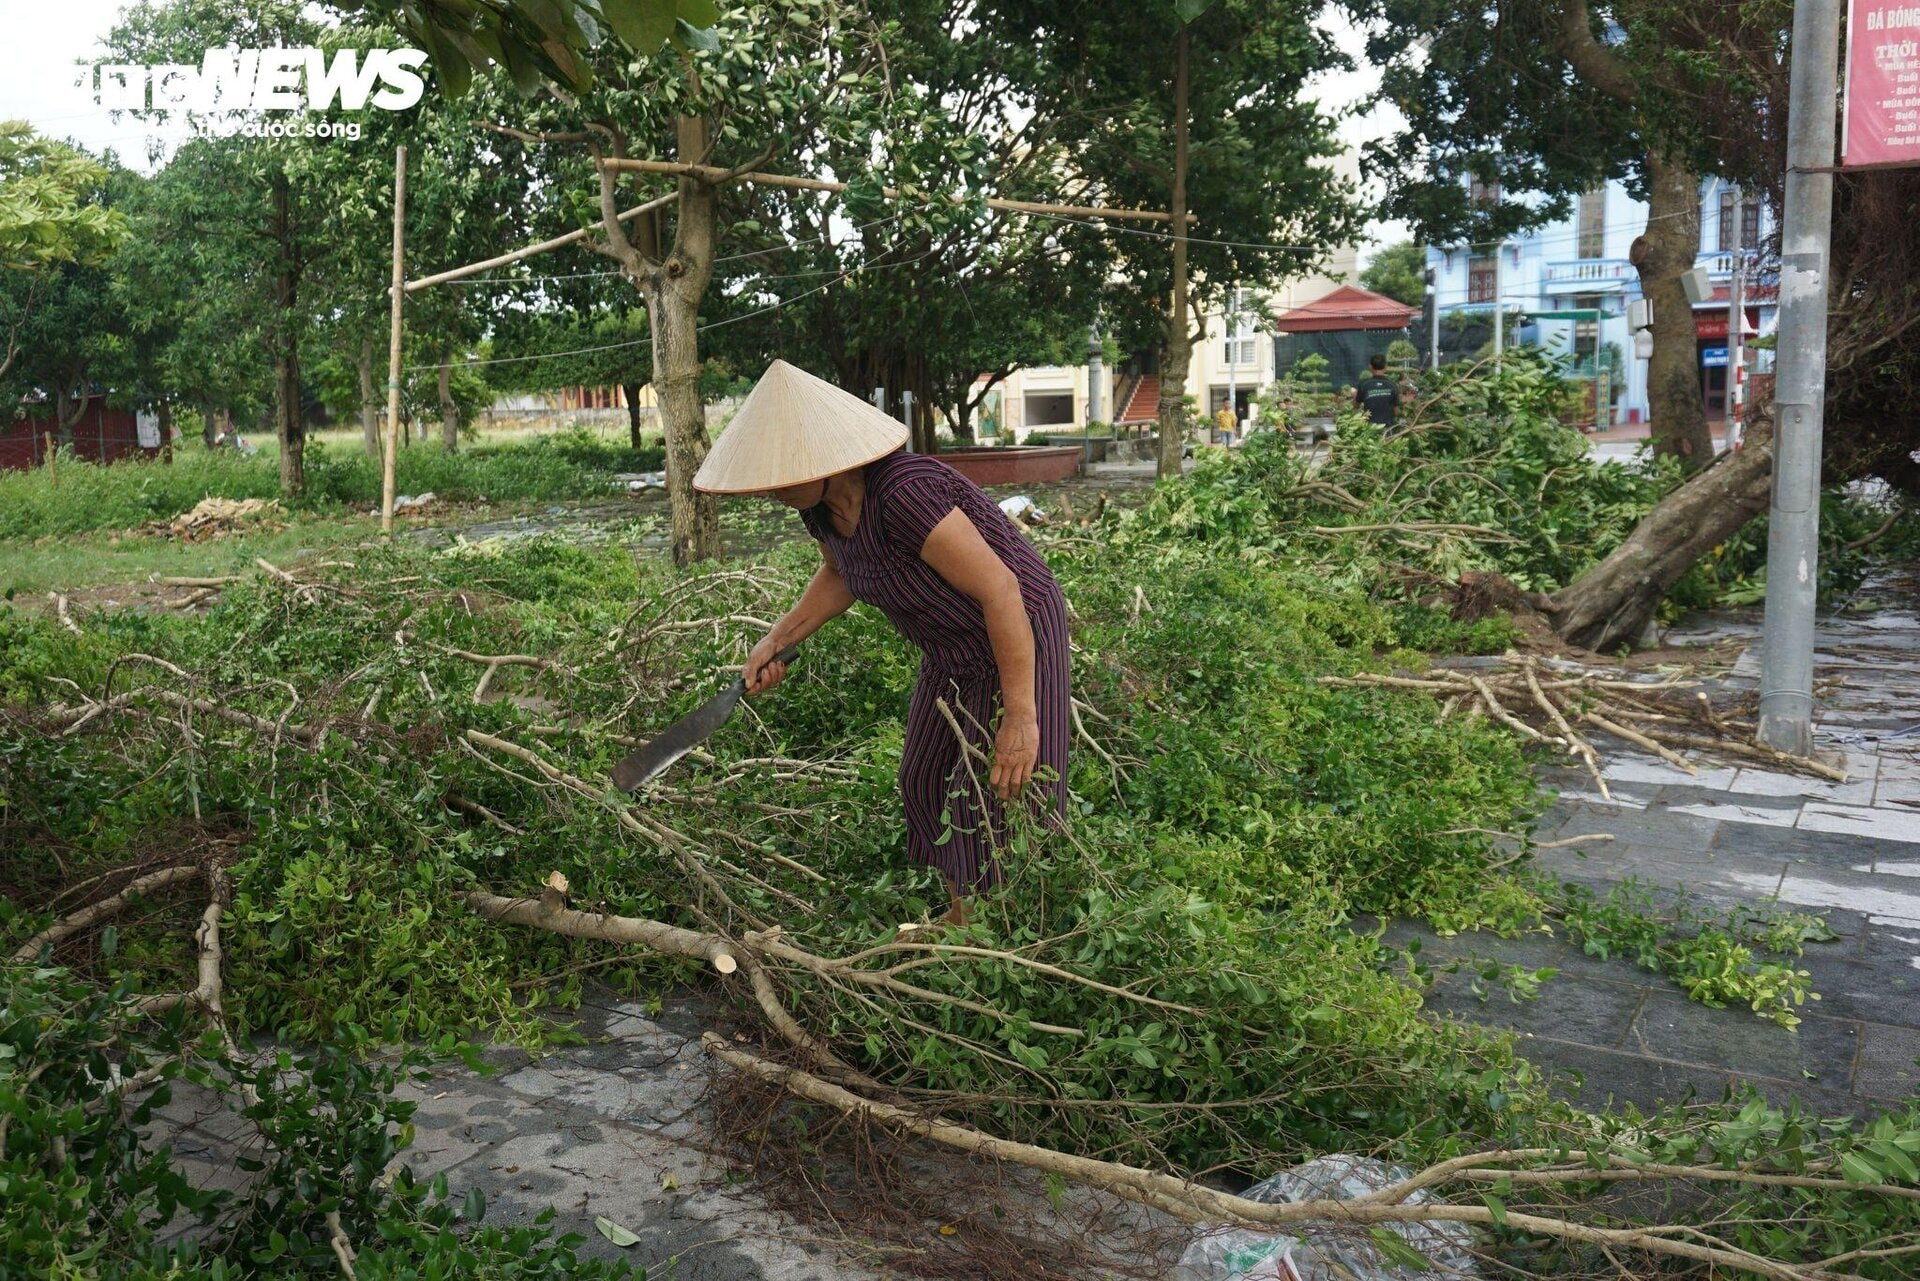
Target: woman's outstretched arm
825 599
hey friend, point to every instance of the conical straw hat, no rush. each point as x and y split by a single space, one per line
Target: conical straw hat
793 428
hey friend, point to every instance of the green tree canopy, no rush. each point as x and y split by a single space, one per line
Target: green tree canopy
1399 272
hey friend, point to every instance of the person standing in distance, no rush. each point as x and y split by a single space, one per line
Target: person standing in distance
1378 394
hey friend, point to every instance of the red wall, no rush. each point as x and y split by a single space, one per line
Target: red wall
101 436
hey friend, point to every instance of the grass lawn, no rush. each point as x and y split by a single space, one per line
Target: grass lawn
68 562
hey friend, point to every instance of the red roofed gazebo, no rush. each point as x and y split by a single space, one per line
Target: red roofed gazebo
1347 308
1346 326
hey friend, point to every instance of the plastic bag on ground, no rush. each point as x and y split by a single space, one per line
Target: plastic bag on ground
1327 1251
1023 509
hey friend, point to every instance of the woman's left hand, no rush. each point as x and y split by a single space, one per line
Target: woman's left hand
1016 750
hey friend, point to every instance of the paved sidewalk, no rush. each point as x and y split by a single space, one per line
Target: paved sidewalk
1849 852
622 1127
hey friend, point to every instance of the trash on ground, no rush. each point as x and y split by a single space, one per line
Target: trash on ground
1023 509
414 502
1326 1251
216 517
636 481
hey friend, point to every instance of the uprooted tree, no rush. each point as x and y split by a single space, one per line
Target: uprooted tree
1704 91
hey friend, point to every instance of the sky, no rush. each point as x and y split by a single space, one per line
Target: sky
45 38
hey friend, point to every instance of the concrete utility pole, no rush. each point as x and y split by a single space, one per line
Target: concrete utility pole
1433 302
1233 356
1096 376
1800 384
1499 314
1736 315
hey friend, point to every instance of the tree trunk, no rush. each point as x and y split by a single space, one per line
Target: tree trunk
1173 369
449 412
632 393
67 412
287 426
897 371
166 431
1661 254
369 407
673 291
1611 604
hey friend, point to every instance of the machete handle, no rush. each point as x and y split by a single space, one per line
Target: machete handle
784 656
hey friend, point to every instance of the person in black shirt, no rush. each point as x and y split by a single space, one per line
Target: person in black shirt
1377 393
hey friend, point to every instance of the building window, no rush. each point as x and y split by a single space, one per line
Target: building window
1481 272
1242 330
1749 223
1593 224
1586 333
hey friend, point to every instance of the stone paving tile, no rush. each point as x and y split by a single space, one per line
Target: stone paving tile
1670 1026
1638 827
1881 824
1745 810
1884 990
1775 784
1884 899
1887 1067
1651 769
1596 1011
1610 1078
1814 849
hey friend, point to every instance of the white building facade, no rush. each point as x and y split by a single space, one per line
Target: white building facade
1566 286
1234 360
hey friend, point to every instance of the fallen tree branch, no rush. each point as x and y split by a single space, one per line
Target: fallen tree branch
106 907
1638 739
658 935
1196 1203
342 1247
670 940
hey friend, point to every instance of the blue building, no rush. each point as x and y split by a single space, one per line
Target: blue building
1566 285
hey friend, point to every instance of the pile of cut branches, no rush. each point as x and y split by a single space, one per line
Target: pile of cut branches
1556 704
416 745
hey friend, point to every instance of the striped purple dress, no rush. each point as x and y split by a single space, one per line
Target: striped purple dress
906 496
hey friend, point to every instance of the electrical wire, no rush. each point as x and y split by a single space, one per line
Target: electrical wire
1518 238
869 264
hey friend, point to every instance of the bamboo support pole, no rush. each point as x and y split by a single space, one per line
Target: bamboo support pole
711 173
398 299
532 251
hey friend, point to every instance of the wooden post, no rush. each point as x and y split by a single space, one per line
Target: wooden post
398 298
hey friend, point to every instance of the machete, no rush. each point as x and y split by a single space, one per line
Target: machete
686 733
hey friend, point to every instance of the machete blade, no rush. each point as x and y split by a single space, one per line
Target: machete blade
686 733
677 739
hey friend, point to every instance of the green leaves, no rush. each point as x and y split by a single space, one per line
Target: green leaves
643 25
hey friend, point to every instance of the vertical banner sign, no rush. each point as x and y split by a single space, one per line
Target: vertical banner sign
1883 83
